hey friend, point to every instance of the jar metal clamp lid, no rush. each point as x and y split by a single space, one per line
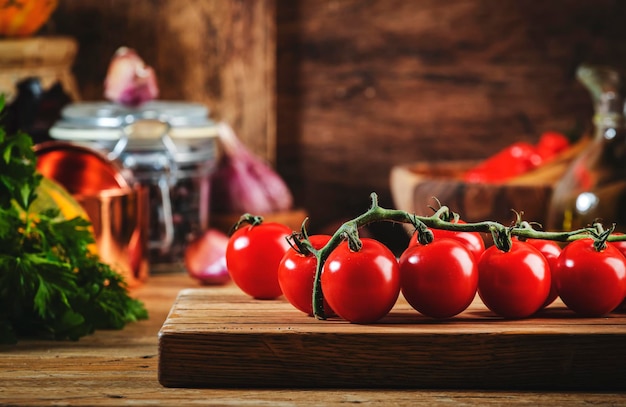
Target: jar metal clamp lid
188 127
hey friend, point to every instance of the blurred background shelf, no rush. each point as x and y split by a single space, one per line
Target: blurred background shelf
335 106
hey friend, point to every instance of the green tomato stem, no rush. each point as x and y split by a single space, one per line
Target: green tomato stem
439 220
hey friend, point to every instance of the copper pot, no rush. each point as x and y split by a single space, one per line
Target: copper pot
117 208
170 148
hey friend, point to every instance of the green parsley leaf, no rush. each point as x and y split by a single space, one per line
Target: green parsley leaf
51 285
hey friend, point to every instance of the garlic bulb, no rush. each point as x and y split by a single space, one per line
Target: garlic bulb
243 183
129 80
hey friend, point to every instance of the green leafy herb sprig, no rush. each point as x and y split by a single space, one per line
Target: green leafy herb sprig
51 285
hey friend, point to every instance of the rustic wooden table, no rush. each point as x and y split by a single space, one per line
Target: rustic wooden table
120 368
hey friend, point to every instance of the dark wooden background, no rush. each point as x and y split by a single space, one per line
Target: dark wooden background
336 92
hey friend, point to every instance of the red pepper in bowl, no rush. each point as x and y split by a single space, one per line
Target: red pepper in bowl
517 159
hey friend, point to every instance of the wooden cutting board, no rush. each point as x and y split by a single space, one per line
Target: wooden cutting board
218 337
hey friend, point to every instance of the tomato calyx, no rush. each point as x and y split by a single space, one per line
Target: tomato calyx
600 236
351 234
443 213
424 234
502 236
300 242
246 218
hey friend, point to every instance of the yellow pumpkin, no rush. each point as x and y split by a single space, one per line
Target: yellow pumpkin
21 18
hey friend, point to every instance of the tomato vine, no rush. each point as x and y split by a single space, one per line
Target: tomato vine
440 219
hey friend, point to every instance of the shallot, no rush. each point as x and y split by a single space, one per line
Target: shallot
205 258
129 81
244 183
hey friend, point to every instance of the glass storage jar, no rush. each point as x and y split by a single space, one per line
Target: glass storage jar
170 149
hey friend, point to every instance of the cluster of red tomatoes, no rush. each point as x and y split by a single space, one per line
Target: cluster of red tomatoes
439 279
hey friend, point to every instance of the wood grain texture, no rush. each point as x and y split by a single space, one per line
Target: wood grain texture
219 52
352 88
364 86
229 340
120 368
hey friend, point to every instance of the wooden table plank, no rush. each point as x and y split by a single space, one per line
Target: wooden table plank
207 334
118 368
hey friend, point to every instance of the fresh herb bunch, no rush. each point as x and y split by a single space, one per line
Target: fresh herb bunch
51 285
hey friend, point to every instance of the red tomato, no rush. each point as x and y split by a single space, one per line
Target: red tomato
513 284
438 279
621 246
471 240
551 251
252 257
361 287
296 274
591 282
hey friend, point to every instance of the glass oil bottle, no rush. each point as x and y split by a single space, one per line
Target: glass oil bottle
593 188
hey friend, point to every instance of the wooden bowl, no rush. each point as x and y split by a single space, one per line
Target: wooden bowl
416 187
